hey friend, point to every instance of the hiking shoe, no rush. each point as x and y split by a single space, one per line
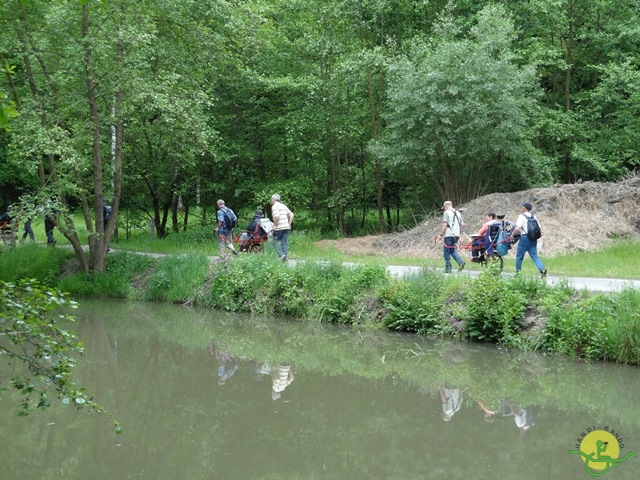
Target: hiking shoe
543 272
461 266
283 258
234 252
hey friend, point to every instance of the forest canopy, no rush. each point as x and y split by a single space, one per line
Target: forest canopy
360 114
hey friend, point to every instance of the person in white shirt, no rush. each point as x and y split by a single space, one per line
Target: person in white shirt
282 219
452 225
525 245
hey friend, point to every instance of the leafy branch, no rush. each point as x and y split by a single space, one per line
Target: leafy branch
41 352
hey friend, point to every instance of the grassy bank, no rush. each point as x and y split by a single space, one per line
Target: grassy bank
620 260
523 312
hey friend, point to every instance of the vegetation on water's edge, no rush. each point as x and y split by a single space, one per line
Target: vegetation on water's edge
521 312
620 260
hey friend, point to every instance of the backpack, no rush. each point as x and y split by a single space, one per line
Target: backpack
454 219
533 228
230 219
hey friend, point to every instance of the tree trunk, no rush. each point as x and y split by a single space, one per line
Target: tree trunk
97 243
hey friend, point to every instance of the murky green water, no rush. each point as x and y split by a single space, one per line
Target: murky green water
207 395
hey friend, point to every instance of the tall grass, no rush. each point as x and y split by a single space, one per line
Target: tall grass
125 277
621 260
176 278
33 261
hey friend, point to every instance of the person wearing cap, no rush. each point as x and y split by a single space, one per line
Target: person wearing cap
452 224
282 219
224 232
524 244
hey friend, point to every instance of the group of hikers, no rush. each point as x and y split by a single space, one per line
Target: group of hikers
493 238
257 231
9 224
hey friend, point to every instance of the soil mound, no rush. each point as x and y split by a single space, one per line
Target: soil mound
574 218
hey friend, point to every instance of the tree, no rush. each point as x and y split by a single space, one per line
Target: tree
459 109
41 352
609 134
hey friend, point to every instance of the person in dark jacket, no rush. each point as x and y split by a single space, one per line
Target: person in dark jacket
253 230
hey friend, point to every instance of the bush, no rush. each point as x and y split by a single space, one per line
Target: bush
119 280
414 304
341 301
604 327
494 309
177 278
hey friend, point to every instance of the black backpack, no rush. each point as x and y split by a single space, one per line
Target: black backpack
533 228
230 219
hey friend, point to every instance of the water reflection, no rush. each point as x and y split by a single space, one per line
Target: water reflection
202 394
227 364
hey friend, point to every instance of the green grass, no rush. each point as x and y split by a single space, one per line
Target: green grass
621 260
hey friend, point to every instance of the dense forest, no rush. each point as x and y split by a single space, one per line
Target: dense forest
360 113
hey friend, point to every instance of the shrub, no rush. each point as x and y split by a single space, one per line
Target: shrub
119 280
603 327
494 309
177 278
340 303
414 304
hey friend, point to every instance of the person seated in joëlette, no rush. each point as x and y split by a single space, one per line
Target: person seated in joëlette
253 231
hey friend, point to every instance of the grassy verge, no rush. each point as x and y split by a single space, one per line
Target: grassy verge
621 260
523 312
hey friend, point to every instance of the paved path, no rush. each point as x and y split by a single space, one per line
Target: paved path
579 283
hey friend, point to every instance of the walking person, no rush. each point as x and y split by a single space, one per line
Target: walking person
28 231
224 230
49 225
452 224
282 219
106 215
527 244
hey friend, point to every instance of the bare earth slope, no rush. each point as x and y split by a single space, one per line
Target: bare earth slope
577 217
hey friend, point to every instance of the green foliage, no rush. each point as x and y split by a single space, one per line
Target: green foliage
175 278
494 309
415 305
341 301
42 352
34 261
123 277
329 292
459 108
604 327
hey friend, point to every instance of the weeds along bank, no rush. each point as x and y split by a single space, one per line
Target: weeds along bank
522 312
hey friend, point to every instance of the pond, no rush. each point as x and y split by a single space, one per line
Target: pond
202 394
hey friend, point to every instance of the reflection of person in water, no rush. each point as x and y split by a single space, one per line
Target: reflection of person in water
492 411
227 365
282 378
451 401
261 370
525 417
489 413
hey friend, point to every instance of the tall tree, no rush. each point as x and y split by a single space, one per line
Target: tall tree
459 108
